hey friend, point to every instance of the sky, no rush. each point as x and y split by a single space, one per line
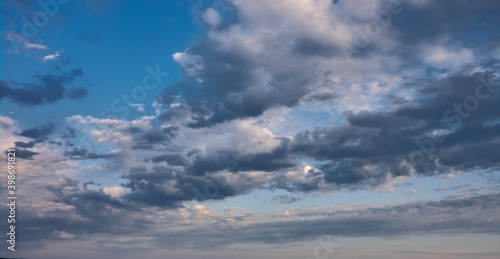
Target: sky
233 128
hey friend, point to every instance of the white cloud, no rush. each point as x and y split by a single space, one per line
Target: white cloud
271 34
51 56
191 64
442 57
114 191
37 46
211 17
250 138
138 106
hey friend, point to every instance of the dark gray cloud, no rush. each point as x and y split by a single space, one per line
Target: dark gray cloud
368 150
91 212
87 203
38 133
164 186
286 198
225 84
47 89
309 47
158 174
372 146
171 159
228 90
147 139
326 96
470 21
24 153
194 176
147 187
82 153
233 160
94 212
25 144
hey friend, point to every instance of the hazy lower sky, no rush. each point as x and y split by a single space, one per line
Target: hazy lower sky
252 128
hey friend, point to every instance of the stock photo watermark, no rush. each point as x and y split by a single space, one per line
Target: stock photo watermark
324 249
31 27
11 197
150 81
455 116
364 35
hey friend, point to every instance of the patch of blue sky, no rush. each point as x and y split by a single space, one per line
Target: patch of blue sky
410 190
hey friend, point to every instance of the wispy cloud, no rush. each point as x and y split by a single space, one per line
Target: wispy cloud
25 43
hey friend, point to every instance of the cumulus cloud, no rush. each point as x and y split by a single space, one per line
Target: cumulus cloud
236 75
371 149
211 17
242 70
191 64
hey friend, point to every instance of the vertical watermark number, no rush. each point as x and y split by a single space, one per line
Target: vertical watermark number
11 197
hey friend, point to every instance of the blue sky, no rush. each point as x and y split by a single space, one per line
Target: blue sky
215 129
